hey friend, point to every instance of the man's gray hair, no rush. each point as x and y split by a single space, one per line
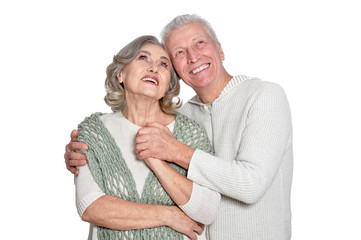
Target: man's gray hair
186 19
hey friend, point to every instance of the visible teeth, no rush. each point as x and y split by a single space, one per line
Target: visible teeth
150 80
200 69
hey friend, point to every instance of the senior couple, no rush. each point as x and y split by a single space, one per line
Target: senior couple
152 170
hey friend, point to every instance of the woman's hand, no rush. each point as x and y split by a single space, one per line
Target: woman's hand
180 222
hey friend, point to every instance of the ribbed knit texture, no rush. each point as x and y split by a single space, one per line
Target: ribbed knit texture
113 176
249 125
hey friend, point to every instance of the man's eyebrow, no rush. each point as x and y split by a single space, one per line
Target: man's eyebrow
193 39
149 54
197 37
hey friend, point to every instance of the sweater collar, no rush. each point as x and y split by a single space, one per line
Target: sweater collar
230 85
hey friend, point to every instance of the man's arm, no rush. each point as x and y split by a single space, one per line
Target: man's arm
72 158
264 142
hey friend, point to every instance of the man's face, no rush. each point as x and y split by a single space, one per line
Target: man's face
195 56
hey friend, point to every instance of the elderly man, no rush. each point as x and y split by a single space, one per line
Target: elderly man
249 124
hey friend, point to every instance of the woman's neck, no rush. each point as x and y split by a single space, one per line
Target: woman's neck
142 112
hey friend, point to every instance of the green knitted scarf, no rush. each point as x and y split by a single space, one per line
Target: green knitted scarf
113 176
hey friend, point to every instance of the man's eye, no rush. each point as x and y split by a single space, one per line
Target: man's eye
200 42
179 52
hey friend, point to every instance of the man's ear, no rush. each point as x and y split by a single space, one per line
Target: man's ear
221 53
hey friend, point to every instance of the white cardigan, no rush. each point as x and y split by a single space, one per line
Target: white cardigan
249 125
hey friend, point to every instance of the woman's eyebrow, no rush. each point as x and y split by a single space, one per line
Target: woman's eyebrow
146 52
150 54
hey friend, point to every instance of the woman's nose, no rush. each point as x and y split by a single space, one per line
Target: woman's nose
153 68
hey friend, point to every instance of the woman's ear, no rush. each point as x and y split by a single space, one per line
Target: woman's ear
120 77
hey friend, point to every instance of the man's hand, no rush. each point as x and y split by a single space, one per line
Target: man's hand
155 140
72 158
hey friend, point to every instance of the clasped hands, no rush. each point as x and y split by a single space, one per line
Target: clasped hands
152 141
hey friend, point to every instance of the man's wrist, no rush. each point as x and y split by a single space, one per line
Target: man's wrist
185 155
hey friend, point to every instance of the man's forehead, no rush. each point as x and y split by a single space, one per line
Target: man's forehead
188 33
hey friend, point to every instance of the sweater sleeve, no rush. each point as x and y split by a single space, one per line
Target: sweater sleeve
264 142
87 190
204 202
202 205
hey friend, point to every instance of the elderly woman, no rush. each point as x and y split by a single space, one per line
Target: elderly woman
127 198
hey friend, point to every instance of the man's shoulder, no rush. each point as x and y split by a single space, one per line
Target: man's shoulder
256 82
255 85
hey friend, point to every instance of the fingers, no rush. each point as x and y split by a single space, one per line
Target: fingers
74 159
77 146
143 154
199 228
196 229
76 163
74 171
76 156
74 135
192 236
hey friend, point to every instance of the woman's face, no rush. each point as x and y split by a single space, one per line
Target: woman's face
148 75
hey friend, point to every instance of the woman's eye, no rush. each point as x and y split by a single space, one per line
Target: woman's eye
164 64
143 57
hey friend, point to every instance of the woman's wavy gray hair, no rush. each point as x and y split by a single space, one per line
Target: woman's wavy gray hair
115 95
186 19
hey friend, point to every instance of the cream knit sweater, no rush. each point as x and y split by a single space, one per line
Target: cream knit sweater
249 125
202 206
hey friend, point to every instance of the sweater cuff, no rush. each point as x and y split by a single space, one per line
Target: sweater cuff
198 161
202 205
192 206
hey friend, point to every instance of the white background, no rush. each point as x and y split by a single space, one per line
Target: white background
53 56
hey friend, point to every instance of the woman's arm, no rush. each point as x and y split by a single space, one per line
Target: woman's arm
198 202
178 187
107 211
115 213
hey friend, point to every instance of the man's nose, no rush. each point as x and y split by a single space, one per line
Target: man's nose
193 56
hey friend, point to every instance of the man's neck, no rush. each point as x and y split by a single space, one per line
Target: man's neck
212 92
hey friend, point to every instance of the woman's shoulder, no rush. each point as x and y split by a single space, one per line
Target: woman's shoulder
96 116
185 121
187 126
190 132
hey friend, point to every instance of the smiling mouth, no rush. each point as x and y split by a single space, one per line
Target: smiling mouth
201 68
151 80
